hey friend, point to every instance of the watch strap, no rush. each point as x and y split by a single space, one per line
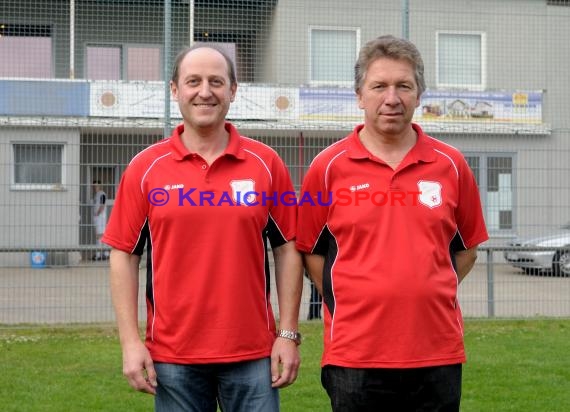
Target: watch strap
289 334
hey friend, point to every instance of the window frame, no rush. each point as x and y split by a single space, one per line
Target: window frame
482 183
31 32
123 59
483 61
345 83
58 186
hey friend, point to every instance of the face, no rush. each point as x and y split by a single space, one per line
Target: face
203 90
389 95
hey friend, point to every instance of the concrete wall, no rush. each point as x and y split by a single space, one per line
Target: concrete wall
37 218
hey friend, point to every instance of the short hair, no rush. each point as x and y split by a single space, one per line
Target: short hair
390 47
185 51
96 182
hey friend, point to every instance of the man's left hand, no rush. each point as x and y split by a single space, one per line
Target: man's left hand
285 361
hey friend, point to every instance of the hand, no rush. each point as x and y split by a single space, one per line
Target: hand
285 361
138 368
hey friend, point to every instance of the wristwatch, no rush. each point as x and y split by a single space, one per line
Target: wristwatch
289 334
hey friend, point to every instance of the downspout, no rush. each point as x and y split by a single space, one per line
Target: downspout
301 155
72 39
406 19
166 62
191 24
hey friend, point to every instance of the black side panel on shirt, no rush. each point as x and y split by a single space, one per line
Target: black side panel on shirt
139 247
326 245
275 236
267 270
322 245
276 239
139 250
456 245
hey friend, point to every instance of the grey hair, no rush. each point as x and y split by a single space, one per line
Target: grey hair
393 48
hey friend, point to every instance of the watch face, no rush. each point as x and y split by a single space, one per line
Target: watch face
298 338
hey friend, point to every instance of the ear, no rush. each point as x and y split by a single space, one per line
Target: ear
233 90
174 90
359 100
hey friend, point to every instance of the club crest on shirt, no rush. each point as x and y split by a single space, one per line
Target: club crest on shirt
430 193
243 191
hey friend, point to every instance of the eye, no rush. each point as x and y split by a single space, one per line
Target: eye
217 82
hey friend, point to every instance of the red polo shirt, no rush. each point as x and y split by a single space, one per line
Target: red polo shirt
208 276
390 288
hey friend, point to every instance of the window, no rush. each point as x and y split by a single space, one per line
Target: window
333 52
38 165
103 63
118 62
36 61
143 63
494 175
461 60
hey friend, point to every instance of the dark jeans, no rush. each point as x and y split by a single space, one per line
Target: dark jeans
236 387
393 390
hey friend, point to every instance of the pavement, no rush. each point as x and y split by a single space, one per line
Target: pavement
80 294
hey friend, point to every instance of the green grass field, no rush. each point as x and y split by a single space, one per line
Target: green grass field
512 366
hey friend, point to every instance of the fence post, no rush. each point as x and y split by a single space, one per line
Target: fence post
490 285
166 63
406 19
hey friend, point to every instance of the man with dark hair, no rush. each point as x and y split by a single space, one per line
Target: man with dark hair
211 337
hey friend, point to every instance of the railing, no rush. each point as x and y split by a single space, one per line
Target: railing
79 292
491 264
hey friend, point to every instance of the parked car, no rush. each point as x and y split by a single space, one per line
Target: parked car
555 261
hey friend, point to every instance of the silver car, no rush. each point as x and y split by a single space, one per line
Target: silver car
555 261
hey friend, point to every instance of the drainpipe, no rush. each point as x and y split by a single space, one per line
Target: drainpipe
166 62
191 24
301 155
406 19
72 39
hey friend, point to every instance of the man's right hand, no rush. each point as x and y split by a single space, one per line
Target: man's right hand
138 368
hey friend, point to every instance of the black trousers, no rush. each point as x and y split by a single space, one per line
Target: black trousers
393 390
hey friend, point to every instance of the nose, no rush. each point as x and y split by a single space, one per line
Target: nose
391 96
205 90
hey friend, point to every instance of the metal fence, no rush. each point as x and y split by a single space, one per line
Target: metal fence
79 293
89 92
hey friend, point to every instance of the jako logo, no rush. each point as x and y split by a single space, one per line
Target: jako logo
174 187
359 187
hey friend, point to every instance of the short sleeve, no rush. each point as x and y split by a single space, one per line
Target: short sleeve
469 212
129 215
312 209
282 224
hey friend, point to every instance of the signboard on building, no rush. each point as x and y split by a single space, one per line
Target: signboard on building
141 99
500 106
146 99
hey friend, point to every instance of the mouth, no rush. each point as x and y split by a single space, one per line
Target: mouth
204 105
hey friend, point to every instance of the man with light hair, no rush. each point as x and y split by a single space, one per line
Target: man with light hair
390 248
